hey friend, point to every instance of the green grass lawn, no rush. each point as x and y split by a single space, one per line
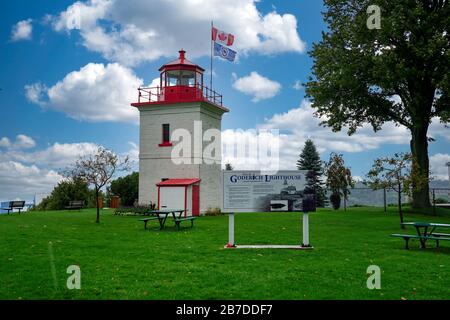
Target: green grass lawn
119 260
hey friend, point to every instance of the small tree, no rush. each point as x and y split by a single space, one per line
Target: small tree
310 160
395 173
339 179
97 169
229 167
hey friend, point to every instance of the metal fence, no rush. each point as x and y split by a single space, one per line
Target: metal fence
361 196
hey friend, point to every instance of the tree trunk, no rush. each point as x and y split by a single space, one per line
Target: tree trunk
98 207
400 210
419 151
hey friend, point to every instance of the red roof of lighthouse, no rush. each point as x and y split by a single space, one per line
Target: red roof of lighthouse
181 63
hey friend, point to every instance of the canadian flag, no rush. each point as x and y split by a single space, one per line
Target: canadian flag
225 38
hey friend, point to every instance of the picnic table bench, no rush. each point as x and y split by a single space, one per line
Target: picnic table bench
161 216
178 221
146 220
425 232
75 205
14 205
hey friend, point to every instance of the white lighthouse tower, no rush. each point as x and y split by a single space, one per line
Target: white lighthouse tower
181 101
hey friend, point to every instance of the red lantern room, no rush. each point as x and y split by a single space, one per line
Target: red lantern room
180 81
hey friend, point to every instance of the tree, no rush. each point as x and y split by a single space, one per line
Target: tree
395 173
127 188
397 73
229 167
339 179
97 169
310 160
66 191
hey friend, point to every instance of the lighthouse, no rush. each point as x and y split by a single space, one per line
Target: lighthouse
181 103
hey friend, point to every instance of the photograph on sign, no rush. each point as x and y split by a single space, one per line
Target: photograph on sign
255 191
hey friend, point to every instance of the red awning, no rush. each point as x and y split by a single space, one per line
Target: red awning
178 182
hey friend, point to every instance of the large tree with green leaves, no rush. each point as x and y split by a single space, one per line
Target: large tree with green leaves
398 73
310 160
127 188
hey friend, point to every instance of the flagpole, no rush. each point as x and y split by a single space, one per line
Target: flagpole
211 79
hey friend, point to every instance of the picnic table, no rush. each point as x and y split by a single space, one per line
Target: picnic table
161 216
425 231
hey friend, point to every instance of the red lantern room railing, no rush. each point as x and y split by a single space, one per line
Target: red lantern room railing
180 81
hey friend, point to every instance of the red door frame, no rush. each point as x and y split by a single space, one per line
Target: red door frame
195 200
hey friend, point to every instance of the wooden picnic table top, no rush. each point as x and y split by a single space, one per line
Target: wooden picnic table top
426 224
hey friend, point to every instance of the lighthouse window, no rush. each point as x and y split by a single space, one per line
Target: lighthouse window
199 79
188 78
173 78
166 133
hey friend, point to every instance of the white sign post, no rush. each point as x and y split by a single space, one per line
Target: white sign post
305 230
231 243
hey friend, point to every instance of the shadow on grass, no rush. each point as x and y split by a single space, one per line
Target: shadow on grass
428 249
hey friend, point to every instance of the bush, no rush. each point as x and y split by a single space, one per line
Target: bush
212 212
65 192
335 200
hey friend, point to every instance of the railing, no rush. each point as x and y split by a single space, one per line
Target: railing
179 94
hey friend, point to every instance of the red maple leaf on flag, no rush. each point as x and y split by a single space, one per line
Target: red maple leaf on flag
222 36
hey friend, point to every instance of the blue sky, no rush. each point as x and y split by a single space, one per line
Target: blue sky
125 42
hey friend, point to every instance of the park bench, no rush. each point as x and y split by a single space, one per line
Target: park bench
14 205
434 236
178 221
75 205
146 220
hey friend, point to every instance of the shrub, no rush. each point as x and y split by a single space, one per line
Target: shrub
212 212
65 192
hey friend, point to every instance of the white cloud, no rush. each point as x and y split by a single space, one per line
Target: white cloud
299 124
438 129
255 85
438 167
5 142
21 181
95 93
22 142
130 32
22 30
57 156
302 124
133 153
36 93
24 172
297 85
